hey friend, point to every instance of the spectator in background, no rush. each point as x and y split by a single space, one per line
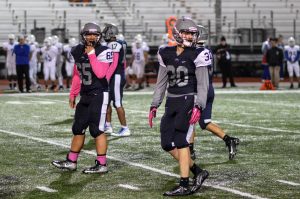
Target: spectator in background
274 59
11 61
280 45
224 62
22 51
264 48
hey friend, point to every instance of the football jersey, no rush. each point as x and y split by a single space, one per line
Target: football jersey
145 46
181 68
59 47
67 50
34 49
10 55
292 54
138 55
207 60
119 47
49 55
90 83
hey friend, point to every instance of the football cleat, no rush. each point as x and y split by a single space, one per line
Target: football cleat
198 180
178 191
108 129
98 168
123 132
232 147
65 165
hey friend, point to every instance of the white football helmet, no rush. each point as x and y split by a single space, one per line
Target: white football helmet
30 39
292 42
55 39
72 42
11 36
165 38
48 41
120 37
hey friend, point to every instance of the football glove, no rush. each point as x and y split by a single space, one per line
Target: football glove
196 114
152 114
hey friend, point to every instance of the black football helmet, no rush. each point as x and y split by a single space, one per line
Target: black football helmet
110 31
91 28
185 25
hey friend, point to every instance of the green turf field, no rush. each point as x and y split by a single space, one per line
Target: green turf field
36 129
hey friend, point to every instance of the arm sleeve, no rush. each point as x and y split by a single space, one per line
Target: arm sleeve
160 87
75 87
113 66
101 63
297 56
202 86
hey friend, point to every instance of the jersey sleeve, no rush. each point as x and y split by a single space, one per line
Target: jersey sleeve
160 60
101 63
204 58
160 87
202 86
106 56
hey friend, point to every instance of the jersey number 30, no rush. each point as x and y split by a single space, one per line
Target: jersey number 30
178 76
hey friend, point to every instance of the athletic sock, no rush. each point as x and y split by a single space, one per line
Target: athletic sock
191 146
73 156
184 182
108 124
195 169
226 138
102 159
124 127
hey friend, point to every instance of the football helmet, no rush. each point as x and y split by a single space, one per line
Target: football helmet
110 31
72 42
55 39
30 39
165 38
91 28
185 25
120 37
48 41
291 41
203 35
11 36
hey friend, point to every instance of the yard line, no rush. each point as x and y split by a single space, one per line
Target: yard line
47 189
288 182
257 127
51 142
127 186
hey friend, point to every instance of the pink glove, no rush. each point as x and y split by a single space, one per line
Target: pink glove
196 114
152 114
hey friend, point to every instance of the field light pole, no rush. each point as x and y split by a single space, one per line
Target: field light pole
294 29
25 22
251 35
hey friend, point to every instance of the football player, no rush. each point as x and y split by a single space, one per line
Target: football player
139 60
205 120
117 82
183 70
292 55
11 61
59 61
33 63
69 59
49 54
91 74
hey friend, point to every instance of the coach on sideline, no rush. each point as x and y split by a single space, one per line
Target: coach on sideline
22 51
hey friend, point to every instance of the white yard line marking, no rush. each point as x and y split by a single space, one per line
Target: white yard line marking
47 189
257 127
51 142
288 182
127 186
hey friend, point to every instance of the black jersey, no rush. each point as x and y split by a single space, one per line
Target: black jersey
181 68
119 47
90 83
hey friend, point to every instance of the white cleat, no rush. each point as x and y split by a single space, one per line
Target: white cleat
108 129
123 132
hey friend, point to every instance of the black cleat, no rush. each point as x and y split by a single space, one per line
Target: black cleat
193 154
65 165
291 86
178 191
232 147
98 168
198 180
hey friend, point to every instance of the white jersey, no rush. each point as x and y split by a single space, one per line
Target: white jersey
34 49
145 46
138 55
59 47
10 55
49 55
69 58
292 54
